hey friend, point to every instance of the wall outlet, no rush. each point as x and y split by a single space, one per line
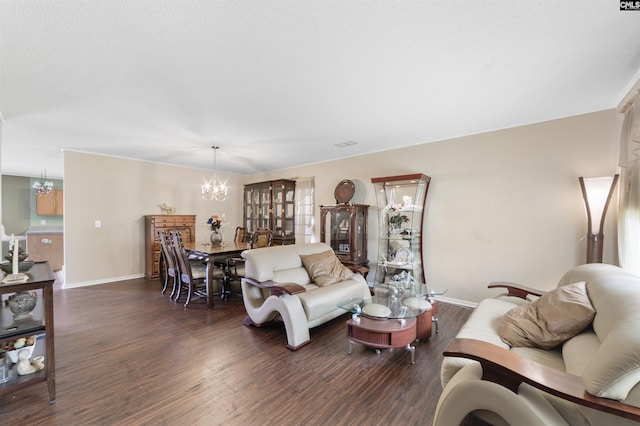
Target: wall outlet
43 222
98 224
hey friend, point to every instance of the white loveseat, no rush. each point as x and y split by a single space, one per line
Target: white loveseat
277 286
590 379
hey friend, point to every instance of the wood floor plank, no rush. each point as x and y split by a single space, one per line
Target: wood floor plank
127 355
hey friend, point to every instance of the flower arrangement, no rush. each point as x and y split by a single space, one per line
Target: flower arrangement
392 207
396 220
215 222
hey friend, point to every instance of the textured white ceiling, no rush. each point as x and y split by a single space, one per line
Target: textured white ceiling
279 83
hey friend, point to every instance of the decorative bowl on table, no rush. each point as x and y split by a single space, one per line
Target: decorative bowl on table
376 310
416 303
23 266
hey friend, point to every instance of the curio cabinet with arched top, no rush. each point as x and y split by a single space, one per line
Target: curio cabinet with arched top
401 202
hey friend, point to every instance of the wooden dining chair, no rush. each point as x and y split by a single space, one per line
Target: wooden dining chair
169 264
261 237
193 275
234 264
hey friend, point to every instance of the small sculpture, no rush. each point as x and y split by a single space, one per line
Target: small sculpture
166 209
25 366
22 256
17 265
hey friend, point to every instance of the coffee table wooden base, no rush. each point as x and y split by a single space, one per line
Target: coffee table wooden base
426 321
383 333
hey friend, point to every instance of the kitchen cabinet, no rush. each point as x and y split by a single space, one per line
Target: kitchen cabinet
46 243
50 204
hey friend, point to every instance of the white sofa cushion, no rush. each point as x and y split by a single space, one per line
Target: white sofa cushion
280 263
482 324
613 369
321 300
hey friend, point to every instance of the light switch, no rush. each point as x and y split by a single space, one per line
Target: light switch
98 224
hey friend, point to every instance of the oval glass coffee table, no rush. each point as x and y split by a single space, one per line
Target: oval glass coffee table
388 319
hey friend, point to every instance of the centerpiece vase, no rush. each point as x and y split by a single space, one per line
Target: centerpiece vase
216 238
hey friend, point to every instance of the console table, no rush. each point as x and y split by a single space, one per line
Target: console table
40 279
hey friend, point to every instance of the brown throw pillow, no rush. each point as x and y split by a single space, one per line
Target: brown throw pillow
325 268
549 320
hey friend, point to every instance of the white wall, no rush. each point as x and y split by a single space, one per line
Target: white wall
504 205
119 193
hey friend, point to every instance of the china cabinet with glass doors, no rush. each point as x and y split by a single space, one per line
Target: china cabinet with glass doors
400 201
344 228
271 205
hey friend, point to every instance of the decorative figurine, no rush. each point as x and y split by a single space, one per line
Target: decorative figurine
25 366
18 263
167 209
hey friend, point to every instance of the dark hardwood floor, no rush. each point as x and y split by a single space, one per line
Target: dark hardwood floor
127 355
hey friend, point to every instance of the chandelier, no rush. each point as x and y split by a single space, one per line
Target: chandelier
214 189
42 186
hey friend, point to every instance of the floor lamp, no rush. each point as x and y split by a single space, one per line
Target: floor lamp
597 193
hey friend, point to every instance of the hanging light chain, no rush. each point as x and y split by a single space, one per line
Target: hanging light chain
42 186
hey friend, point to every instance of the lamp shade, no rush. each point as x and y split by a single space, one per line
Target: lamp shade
597 193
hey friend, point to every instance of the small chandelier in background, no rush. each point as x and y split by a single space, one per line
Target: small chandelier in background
42 186
214 190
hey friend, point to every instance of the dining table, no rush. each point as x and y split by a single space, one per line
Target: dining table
216 257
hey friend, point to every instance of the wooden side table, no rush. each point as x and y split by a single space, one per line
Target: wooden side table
41 279
383 333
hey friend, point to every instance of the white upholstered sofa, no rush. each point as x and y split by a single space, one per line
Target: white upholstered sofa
278 287
590 379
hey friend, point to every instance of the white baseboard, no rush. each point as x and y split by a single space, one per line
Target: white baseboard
464 303
104 281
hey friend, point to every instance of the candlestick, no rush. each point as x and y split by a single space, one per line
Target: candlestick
16 244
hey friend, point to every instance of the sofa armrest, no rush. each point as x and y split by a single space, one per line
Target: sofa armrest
509 369
277 289
517 290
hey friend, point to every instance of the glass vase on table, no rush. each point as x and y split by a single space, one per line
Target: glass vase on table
215 238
